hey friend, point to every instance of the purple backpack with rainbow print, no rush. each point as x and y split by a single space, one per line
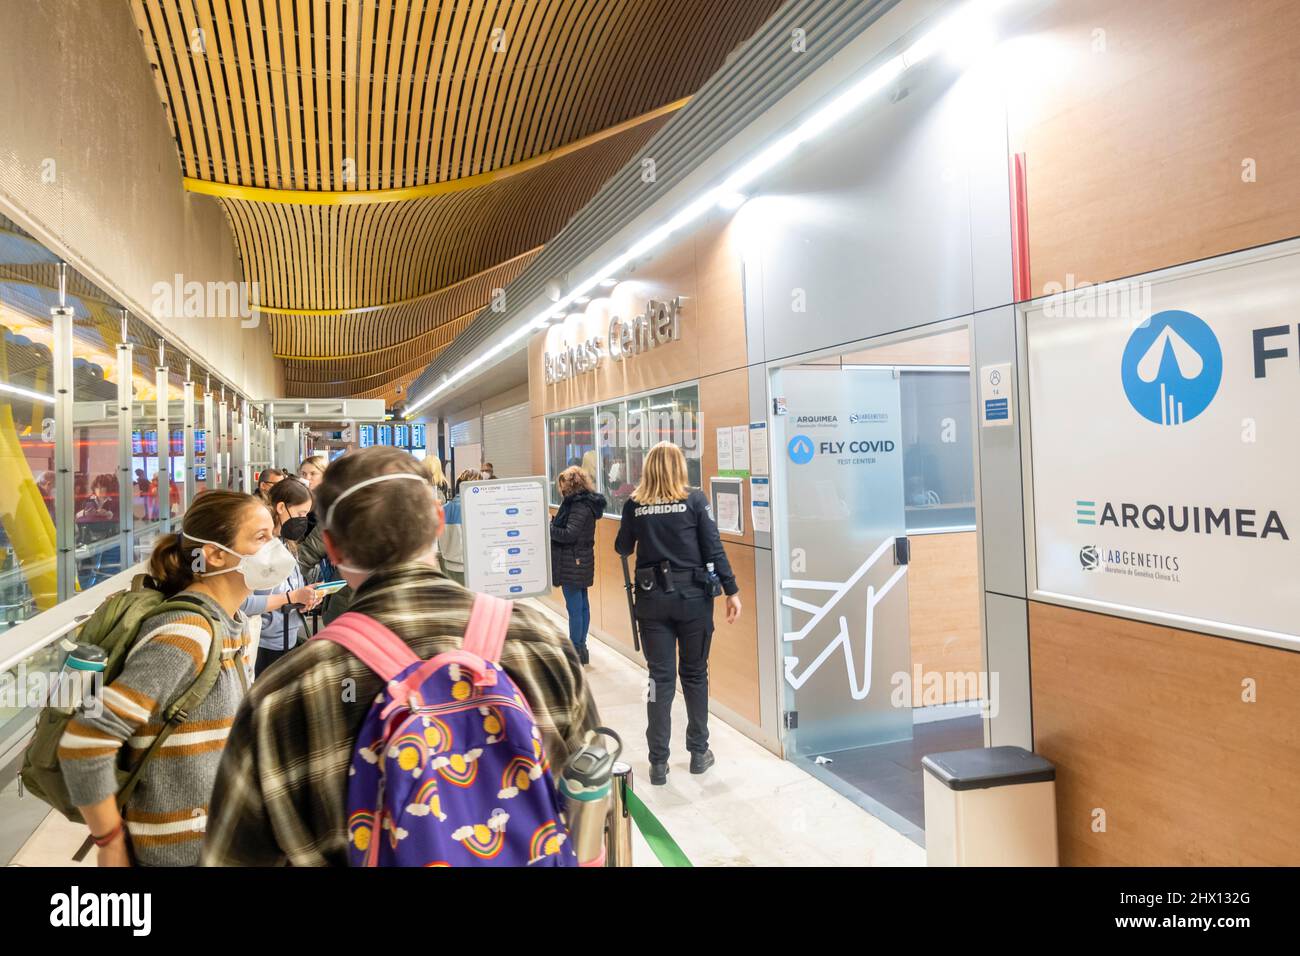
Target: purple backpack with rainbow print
449 768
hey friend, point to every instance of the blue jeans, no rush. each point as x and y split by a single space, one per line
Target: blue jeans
575 599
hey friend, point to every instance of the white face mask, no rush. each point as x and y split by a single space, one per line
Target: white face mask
265 568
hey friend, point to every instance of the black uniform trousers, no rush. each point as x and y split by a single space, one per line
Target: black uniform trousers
676 625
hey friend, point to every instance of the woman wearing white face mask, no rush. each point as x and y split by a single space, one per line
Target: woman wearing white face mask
226 549
290 502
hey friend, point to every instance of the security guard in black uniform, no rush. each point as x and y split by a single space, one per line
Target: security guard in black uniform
680 568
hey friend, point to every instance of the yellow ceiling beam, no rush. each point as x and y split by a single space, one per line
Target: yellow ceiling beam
362 310
364 197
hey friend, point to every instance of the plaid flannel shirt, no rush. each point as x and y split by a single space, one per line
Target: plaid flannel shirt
281 792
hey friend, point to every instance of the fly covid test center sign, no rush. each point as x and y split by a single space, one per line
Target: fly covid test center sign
1165 430
507 537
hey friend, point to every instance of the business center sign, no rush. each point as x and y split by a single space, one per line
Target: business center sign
658 325
1166 448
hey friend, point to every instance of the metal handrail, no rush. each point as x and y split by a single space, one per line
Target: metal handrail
23 640
43 643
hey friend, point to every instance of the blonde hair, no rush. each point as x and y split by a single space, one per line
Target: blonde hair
316 461
663 476
572 480
433 468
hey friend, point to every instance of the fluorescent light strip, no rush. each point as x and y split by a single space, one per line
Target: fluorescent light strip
952 30
26 393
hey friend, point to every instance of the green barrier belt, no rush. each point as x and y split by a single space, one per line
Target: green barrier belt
663 845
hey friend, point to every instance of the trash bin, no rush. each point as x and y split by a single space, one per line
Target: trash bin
990 806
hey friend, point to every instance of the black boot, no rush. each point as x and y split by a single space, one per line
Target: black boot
659 773
701 762
584 655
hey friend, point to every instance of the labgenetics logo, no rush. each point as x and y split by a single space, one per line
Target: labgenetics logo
868 418
1088 557
1172 367
800 449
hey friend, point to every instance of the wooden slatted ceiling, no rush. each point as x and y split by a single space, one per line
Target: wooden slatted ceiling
350 257
361 95
279 93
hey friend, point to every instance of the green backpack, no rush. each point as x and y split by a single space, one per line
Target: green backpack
115 626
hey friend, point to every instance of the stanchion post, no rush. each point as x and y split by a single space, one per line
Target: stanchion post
618 834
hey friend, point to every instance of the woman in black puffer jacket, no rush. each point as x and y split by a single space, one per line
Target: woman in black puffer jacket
573 550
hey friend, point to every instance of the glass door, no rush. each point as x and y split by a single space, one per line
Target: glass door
843 586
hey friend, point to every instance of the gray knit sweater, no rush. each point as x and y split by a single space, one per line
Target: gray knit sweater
167 813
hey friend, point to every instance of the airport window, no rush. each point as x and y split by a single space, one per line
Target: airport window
624 431
29 575
570 440
938 457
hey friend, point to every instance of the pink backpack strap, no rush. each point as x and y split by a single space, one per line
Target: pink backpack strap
379 648
485 634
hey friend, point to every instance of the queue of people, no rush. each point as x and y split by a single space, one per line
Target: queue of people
262 756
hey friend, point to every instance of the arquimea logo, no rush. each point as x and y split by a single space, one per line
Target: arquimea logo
1172 367
800 449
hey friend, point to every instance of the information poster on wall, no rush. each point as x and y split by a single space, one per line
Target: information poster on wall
724 449
1166 445
759 463
507 537
760 504
740 451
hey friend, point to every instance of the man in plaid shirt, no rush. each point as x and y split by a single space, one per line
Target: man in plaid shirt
281 792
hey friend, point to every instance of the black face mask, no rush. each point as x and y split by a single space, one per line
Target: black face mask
294 529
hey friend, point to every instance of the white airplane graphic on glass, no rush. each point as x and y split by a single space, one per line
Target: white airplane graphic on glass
874 597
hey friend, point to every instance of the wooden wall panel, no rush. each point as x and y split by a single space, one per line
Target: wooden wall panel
1135 137
705 272
733 657
1148 724
944 607
614 619
724 403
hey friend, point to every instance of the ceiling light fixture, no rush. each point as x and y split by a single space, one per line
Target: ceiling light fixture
974 19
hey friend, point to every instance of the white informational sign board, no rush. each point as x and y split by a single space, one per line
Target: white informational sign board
740 448
724 449
758 453
995 395
1166 446
507 537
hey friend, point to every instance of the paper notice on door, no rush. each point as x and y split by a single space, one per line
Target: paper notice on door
760 504
740 449
724 449
758 448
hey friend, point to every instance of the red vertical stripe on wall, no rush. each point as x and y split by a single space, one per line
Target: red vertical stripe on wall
1019 230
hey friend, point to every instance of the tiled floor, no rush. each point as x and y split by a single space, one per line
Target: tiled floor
891 773
751 809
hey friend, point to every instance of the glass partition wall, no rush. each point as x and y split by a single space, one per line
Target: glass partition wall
79 497
609 441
